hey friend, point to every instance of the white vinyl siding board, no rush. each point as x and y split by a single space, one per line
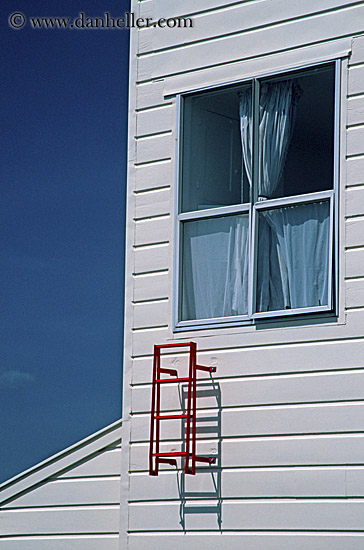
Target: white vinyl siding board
284 414
155 202
73 542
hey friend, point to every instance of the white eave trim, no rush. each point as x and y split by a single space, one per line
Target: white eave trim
258 67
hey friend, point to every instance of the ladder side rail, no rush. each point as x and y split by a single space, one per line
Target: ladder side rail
194 407
158 410
152 413
188 420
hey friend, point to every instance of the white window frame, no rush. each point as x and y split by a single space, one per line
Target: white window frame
253 209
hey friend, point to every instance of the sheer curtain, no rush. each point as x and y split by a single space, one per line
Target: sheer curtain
293 241
216 256
301 234
215 267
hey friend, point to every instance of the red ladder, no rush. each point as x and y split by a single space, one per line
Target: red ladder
156 457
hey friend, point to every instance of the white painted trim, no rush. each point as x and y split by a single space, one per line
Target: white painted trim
213 212
177 193
292 200
289 312
256 78
336 219
214 320
252 294
129 281
277 63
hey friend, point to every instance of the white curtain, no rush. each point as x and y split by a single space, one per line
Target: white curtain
301 234
215 267
277 110
246 131
293 242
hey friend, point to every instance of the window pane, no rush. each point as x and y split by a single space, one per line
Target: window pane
296 134
213 174
293 257
215 267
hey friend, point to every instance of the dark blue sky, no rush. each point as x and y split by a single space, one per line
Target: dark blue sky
62 187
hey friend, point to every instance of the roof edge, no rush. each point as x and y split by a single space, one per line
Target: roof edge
60 461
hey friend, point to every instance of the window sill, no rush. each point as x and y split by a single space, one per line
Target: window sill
267 323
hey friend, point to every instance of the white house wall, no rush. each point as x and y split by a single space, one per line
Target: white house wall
70 501
288 426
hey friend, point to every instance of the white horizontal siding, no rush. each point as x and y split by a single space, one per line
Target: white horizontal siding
354 262
355 232
151 287
151 258
262 421
355 141
355 202
233 19
151 314
355 294
275 333
67 492
295 482
75 542
152 149
60 520
253 541
148 95
252 67
253 11
355 110
253 43
247 483
152 231
163 8
253 515
158 120
311 482
153 203
356 80
355 171
253 361
151 335
105 463
358 50
303 450
317 387
77 506
154 176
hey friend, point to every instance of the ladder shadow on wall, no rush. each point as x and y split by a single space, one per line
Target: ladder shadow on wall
205 485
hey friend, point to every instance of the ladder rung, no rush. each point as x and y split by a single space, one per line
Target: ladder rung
169 416
207 369
172 453
184 344
165 380
172 372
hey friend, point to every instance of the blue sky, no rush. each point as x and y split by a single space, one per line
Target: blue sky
62 207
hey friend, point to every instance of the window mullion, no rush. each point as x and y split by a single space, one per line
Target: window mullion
253 198
255 152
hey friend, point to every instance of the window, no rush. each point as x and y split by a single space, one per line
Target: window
256 199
